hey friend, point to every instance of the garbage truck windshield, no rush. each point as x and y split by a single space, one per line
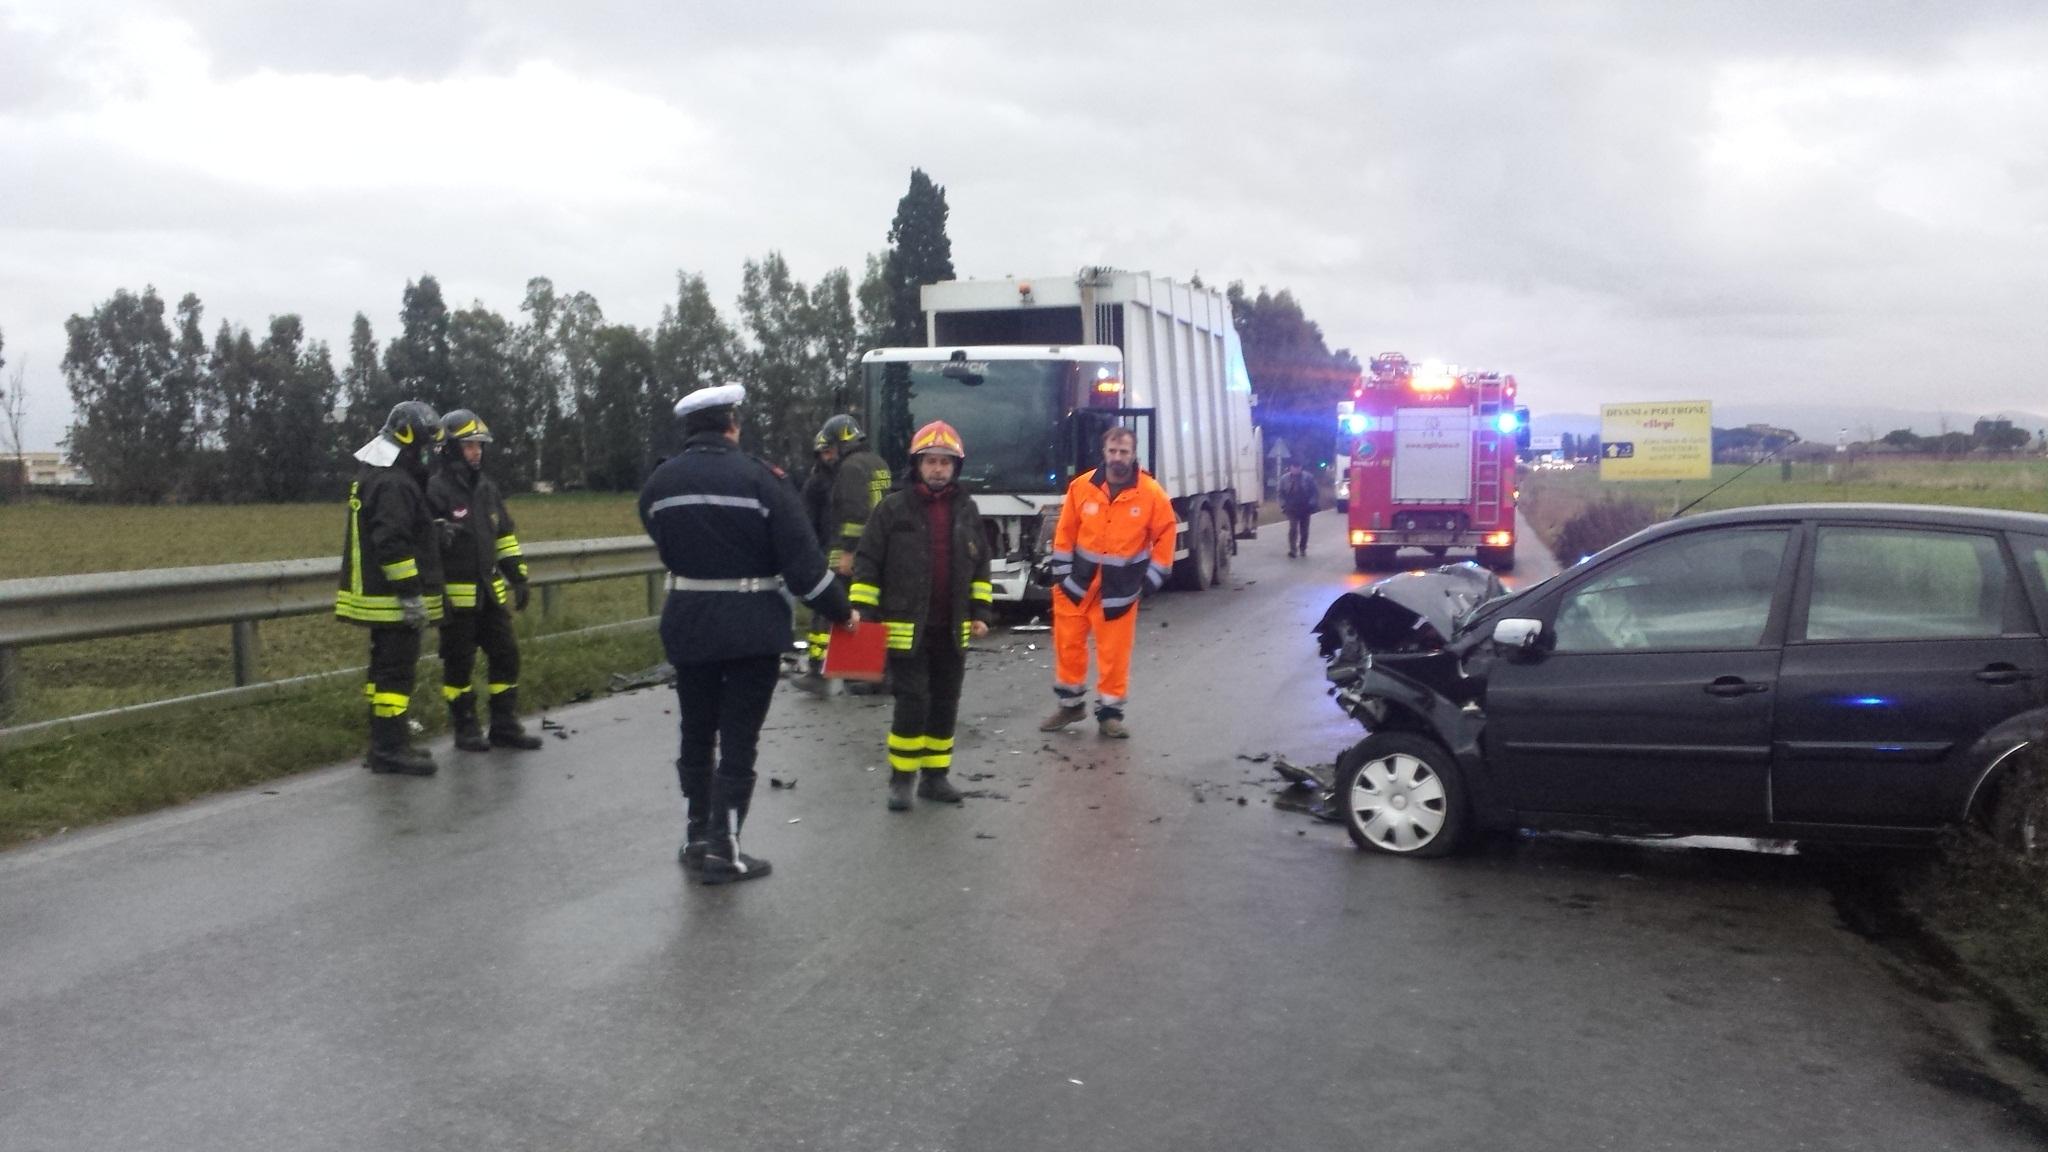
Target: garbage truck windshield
1009 413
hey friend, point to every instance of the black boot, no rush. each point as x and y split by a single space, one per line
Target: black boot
469 736
505 729
933 784
696 819
391 749
900 786
724 863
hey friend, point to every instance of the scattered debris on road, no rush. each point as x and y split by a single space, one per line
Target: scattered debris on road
779 782
662 673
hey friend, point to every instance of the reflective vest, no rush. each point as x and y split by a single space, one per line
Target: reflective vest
1117 548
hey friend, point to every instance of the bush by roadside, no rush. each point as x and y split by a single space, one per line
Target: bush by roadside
1986 897
1598 524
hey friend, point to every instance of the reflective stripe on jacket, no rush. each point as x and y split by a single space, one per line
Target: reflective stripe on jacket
478 545
858 485
1115 548
388 550
892 568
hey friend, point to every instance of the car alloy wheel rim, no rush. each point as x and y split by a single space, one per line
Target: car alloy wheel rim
1398 803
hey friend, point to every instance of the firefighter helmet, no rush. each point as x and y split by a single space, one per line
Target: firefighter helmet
412 422
462 426
838 432
938 439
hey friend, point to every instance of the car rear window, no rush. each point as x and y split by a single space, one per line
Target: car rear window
1874 583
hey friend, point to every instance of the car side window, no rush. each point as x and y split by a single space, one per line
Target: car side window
1709 589
1905 584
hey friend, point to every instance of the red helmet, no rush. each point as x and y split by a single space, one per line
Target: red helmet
939 439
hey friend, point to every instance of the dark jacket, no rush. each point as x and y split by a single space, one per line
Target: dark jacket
716 513
479 549
892 568
859 482
817 496
1298 494
388 550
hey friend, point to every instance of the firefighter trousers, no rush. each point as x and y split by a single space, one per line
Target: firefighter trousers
462 633
927 683
394 662
1072 625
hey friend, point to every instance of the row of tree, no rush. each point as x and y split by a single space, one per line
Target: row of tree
160 411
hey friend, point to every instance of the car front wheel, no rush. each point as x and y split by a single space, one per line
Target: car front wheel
1401 794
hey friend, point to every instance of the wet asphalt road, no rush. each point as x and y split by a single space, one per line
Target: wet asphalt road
1105 950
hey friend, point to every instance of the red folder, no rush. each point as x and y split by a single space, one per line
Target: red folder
857 653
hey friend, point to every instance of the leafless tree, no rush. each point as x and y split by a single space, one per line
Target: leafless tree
14 409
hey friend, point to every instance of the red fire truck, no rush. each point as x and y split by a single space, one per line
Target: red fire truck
1432 462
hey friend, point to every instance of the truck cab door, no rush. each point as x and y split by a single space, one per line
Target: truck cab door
1089 424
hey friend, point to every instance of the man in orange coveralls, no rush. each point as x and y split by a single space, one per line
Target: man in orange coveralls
1114 543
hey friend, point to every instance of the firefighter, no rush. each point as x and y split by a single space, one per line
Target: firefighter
922 564
817 496
391 576
1113 544
733 536
859 481
486 576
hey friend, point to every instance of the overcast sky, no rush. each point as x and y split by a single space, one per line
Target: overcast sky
1745 200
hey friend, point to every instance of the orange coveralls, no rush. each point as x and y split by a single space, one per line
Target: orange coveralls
1105 554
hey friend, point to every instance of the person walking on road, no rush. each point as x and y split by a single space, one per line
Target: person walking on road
817 497
733 535
1113 544
486 574
923 565
859 481
391 577
1298 500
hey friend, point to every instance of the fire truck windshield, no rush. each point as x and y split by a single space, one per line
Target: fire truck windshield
1008 413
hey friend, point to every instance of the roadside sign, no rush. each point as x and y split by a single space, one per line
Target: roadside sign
1664 440
1542 444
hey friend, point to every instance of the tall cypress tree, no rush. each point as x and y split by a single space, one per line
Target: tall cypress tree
418 359
919 253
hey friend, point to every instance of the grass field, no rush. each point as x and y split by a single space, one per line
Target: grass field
1550 498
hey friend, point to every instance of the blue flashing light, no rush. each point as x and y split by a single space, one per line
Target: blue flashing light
1507 423
1356 424
1868 702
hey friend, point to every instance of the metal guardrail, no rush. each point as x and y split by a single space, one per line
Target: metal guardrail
63 609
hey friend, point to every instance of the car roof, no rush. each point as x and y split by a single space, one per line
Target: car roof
1933 515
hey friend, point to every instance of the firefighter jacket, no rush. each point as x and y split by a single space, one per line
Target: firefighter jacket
480 555
1125 544
857 486
389 550
727 528
892 568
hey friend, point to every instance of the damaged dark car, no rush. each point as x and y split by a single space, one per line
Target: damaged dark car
1799 672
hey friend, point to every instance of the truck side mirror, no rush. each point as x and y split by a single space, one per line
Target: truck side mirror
1516 634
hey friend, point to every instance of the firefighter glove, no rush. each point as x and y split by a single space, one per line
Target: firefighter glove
520 594
414 611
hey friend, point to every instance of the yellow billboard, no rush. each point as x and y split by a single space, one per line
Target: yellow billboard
1658 440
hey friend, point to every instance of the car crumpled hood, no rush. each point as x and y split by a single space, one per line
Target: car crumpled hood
1414 612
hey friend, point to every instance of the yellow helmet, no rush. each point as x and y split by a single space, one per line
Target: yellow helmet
939 439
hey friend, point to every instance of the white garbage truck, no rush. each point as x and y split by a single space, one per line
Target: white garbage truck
1032 371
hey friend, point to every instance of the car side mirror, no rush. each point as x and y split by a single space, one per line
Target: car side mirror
1518 635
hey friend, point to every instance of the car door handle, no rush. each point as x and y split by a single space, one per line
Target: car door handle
2003 674
1733 686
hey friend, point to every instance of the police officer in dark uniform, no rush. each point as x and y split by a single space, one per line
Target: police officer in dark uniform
733 535
391 576
486 572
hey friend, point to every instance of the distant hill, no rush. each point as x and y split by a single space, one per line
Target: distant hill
1816 422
